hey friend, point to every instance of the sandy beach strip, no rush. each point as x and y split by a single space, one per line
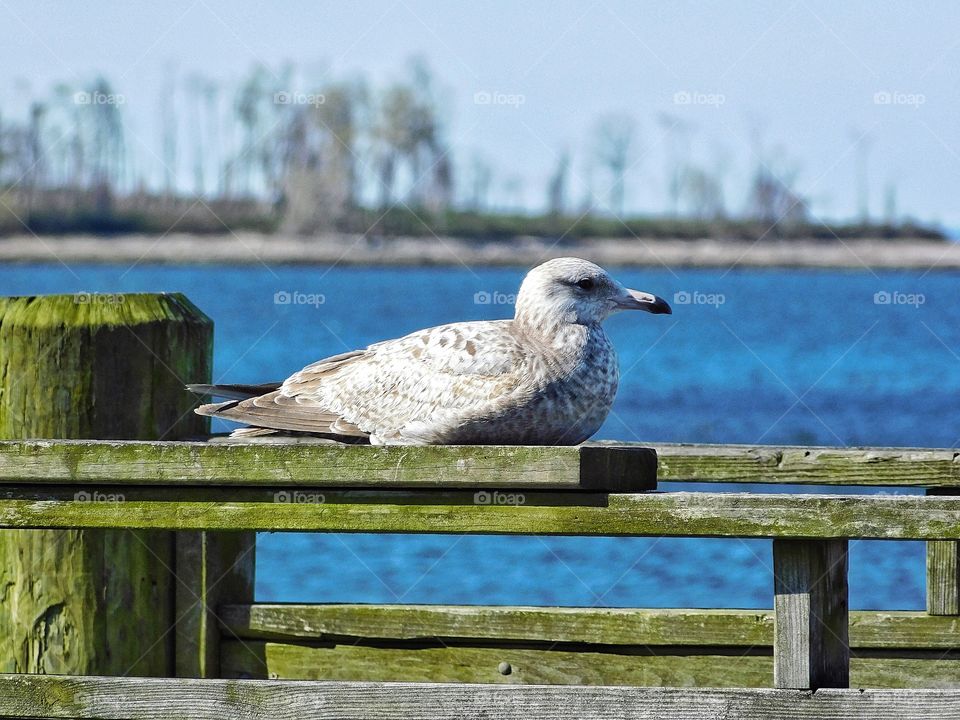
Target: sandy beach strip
261 249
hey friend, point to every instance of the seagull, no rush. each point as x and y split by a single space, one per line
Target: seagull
546 377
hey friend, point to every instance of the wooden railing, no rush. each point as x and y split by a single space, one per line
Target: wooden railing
213 494
127 568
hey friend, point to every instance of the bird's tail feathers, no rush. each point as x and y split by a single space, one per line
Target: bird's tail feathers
233 391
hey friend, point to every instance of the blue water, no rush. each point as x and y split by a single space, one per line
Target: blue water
795 357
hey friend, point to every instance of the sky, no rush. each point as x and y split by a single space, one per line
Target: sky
828 92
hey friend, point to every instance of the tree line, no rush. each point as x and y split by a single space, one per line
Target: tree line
342 156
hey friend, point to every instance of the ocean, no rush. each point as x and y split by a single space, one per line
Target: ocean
752 356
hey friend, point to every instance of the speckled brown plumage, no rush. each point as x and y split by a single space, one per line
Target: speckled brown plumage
546 377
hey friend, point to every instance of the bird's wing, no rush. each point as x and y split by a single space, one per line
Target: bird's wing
413 388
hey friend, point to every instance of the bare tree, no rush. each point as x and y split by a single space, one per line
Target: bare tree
481 179
703 193
196 86
408 136
557 186
250 105
106 142
613 143
863 143
320 152
890 216
678 132
774 198
168 130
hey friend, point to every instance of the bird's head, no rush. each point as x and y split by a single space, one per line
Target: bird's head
571 290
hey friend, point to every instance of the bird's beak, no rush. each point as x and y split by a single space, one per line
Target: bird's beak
637 300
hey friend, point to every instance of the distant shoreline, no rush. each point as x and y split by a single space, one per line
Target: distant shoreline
248 248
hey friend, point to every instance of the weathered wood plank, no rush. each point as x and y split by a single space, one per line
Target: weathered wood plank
524 666
25 696
605 626
653 514
943 573
943 569
586 467
918 467
84 366
620 467
596 665
811 649
211 568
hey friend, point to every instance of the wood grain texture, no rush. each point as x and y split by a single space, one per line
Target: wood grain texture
919 467
82 366
459 663
811 647
619 467
606 626
695 514
943 573
943 569
586 467
594 665
24 696
211 568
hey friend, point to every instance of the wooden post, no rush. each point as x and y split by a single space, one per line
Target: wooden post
943 569
214 568
811 649
95 602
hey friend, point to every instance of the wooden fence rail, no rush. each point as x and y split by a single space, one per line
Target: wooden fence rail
164 699
106 538
621 467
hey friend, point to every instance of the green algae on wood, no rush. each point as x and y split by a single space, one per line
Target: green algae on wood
94 366
885 517
101 366
26 696
559 665
612 469
918 467
305 623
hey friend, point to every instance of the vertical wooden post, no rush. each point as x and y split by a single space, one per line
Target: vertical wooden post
213 568
810 646
108 367
943 569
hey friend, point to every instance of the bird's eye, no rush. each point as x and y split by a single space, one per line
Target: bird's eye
585 284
